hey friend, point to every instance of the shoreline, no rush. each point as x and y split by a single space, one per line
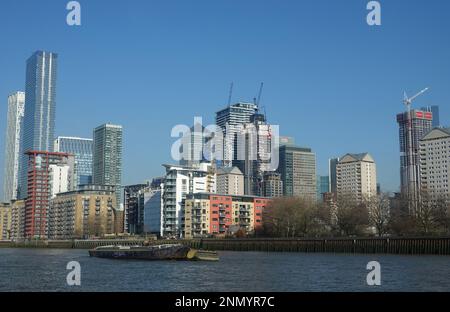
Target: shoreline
370 245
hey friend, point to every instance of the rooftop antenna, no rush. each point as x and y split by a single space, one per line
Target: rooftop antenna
230 94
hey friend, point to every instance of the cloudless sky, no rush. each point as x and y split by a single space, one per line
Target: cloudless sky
330 80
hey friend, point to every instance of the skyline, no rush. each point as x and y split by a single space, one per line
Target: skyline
86 78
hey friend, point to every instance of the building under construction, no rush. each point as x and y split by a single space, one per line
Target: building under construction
413 125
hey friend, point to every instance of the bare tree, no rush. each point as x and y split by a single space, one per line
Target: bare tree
291 217
379 212
442 208
352 216
427 214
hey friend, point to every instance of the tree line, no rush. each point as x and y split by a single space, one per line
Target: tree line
347 216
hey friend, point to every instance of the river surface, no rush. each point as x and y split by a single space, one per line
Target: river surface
45 270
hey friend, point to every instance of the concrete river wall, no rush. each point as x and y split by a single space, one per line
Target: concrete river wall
412 246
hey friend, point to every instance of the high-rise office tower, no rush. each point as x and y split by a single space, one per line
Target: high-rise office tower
230 120
82 150
107 155
323 186
193 146
332 162
434 109
413 125
298 171
356 176
254 153
16 103
40 104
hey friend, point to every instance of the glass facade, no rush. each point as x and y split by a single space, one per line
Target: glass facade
298 171
82 150
39 119
107 156
413 125
16 104
323 186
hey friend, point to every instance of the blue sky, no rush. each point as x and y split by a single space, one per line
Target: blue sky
330 80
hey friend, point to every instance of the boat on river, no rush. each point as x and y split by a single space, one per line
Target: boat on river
155 252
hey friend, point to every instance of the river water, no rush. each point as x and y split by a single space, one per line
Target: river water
45 270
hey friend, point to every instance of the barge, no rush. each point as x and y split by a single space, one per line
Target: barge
156 252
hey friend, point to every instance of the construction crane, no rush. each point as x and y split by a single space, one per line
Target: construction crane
230 94
259 93
408 101
411 151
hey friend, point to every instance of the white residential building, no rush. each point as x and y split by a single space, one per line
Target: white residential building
230 181
435 163
180 181
59 179
356 175
16 104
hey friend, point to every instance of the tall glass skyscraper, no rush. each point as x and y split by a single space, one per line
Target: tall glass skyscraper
434 109
107 154
298 171
230 120
82 150
323 186
332 163
16 103
40 103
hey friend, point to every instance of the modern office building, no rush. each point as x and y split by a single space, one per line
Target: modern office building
254 156
107 155
356 176
216 214
272 184
5 221
16 104
286 140
435 163
230 180
193 144
434 109
81 148
143 209
40 189
133 208
413 125
180 181
230 120
323 186
153 204
298 171
40 103
87 212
